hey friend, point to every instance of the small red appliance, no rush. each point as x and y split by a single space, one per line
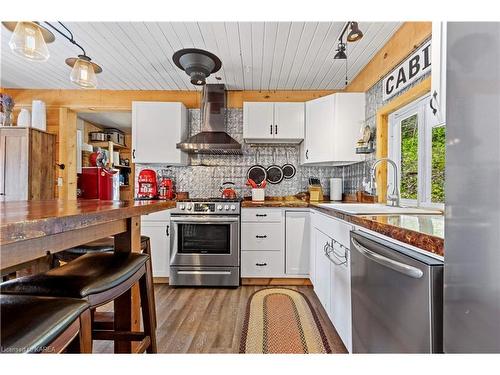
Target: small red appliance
148 184
166 189
98 183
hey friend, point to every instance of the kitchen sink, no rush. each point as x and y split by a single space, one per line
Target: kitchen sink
376 209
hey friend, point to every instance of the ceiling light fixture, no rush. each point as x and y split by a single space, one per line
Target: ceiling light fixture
355 34
197 63
340 55
29 40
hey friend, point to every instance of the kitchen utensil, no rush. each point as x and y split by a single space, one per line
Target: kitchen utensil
263 184
24 118
227 190
257 172
274 172
315 190
288 169
336 189
252 183
39 115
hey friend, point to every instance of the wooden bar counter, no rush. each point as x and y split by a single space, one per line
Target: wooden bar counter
30 229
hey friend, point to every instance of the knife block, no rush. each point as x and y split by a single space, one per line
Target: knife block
315 193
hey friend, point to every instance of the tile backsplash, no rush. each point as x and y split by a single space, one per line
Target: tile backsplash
203 177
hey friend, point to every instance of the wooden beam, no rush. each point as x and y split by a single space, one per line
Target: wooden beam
67 153
382 132
404 41
236 98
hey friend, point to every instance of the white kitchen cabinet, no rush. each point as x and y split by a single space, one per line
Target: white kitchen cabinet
261 263
157 227
438 73
297 242
322 269
332 277
262 236
157 127
273 122
332 129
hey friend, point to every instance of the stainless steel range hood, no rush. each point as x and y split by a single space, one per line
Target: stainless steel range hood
213 138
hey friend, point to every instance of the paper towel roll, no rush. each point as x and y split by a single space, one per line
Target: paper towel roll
336 189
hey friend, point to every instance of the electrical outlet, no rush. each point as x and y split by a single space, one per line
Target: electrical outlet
59 181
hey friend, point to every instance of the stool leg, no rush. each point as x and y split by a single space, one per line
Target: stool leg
85 334
148 307
147 250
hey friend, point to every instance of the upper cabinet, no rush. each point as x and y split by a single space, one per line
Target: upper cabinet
332 129
157 127
273 122
438 75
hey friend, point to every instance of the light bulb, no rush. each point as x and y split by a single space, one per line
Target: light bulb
83 73
27 41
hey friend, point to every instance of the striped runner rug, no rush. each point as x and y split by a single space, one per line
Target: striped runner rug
281 320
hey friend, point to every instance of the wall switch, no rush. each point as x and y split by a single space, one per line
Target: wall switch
59 181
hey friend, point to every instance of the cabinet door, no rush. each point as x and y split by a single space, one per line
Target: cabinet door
349 116
289 121
438 90
322 270
13 165
297 242
340 295
258 120
318 142
312 251
159 234
157 127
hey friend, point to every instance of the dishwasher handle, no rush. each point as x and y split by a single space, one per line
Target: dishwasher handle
387 262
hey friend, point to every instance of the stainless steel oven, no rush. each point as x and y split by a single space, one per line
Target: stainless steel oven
205 244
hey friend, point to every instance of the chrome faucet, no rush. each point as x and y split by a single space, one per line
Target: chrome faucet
394 198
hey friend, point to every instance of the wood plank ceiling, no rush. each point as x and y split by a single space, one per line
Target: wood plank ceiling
255 55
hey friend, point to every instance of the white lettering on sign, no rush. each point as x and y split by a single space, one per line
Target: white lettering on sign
416 65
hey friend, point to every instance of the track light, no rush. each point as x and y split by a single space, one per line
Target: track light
340 55
355 34
29 40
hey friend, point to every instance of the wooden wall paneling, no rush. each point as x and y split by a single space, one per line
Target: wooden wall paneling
403 42
67 153
41 165
382 132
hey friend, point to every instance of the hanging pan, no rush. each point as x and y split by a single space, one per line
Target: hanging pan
288 169
257 172
274 172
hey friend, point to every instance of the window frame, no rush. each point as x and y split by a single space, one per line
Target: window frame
425 125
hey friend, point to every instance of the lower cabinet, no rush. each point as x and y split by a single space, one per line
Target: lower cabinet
332 276
297 242
261 263
157 227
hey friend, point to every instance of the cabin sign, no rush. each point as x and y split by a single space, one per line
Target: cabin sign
414 67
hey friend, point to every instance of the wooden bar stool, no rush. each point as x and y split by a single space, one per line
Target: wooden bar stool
31 324
99 278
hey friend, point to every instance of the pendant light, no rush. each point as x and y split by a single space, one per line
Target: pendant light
355 34
29 40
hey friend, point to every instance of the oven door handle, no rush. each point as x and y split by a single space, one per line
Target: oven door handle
203 219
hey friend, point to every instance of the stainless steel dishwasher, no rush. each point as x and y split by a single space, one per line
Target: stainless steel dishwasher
397 298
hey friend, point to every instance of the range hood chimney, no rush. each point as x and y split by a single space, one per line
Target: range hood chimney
213 138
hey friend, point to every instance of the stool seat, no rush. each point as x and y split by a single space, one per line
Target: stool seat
86 275
29 323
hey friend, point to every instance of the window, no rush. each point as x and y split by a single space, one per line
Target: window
417 147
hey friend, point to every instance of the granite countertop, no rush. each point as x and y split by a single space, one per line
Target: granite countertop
423 231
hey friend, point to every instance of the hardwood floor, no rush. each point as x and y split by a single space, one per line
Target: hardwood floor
209 320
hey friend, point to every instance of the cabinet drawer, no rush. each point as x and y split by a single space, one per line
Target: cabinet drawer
261 215
261 263
262 236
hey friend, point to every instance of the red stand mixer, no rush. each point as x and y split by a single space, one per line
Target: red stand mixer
148 184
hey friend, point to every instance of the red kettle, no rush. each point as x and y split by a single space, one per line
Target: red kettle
227 190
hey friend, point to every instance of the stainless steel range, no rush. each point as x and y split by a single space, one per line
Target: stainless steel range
205 243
